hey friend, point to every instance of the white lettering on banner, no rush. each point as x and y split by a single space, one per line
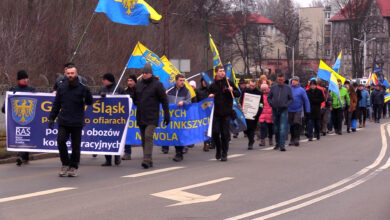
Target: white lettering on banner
106 133
94 145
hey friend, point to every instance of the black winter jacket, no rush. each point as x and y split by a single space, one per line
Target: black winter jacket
71 99
149 94
107 90
223 100
202 93
377 97
316 97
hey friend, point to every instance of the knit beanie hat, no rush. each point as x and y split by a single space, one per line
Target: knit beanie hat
22 74
109 77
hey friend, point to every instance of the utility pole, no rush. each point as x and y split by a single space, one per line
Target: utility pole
365 41
293 59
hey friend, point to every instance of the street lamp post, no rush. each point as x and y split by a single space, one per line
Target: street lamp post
293 59
365 41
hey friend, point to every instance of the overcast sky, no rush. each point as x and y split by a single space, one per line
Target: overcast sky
304 3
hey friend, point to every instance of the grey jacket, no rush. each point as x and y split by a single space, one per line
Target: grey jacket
176 95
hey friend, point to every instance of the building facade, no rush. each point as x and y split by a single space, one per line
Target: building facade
377 31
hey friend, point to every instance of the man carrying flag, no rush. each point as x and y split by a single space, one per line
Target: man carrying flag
222 91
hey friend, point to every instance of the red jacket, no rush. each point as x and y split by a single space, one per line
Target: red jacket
266 114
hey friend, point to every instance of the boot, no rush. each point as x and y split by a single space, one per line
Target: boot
206 147
262 142
270 142
178 157
360 125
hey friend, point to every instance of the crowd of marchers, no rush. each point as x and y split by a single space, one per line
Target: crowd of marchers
285 107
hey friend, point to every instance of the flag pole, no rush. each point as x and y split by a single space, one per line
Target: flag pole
120 79
82 37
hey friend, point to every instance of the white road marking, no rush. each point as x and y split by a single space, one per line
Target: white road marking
232 156
185 198
41 193
268 148
153 172
333 186
333 193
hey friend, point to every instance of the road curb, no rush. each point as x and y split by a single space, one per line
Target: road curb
37 156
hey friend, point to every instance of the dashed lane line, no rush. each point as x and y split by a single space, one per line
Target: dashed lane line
231 156
152 172
41 193
363 171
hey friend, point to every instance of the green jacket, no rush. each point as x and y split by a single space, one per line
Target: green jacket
344 96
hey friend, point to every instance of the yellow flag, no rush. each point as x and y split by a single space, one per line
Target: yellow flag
173 71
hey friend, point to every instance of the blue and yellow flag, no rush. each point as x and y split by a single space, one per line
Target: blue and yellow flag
337 64
142 55
328 74
387 97
130 12
206 78
173 71
231 75
216 58
325 72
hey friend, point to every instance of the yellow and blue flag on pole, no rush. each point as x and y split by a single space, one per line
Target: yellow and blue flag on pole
216 58
129 12
231 75
387 97
206 78
173 71
142 55
337 64
328 74
324 72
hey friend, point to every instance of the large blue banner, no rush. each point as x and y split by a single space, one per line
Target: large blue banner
189 125
104 132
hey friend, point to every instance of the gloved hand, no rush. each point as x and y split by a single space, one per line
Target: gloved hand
103 95
166 119
51 124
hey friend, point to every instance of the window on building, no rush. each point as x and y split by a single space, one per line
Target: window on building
327 52
327 14
328 27
327 40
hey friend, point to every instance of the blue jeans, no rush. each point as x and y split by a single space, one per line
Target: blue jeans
266 127
280 117
128 149
313 124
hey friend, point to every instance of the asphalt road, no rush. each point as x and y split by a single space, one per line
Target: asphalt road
338 177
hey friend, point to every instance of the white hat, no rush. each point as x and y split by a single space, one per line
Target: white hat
193 84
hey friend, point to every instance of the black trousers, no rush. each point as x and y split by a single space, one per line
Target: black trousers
362 115
377 108
250 132
63 135
23 155
221 135
109 158
337 118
